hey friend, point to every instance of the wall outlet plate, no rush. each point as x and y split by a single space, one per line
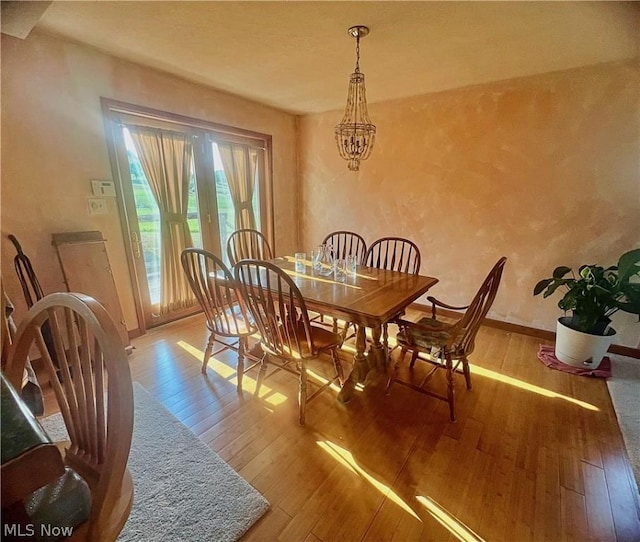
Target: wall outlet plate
97 206
103 188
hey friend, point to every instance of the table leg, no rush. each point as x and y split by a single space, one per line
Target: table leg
377 352
360 367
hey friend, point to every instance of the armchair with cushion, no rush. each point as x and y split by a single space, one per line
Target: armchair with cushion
447 345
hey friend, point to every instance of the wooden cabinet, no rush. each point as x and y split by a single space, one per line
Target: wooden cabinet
86 270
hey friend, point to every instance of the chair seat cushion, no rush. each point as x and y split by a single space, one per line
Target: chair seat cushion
65 502
438 334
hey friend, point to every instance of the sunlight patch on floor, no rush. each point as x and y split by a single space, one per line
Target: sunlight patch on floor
267 394
323 380
450 522
477 370
334 385
346 459
223 370
348 348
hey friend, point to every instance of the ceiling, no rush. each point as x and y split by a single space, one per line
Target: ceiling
297 56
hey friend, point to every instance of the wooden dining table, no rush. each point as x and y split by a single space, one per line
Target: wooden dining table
369 299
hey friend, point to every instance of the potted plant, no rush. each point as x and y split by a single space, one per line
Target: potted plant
593 296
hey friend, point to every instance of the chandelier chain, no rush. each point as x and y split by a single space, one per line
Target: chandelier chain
358 53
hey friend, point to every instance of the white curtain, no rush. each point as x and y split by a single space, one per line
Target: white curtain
240 164
166 159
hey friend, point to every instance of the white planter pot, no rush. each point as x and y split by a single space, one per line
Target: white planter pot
581 349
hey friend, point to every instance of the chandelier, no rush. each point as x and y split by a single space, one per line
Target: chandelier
356 134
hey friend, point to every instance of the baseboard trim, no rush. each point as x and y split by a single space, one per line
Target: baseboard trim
134 333
625 351
526 330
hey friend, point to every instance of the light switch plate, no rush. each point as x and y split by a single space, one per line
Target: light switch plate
97 206
103 188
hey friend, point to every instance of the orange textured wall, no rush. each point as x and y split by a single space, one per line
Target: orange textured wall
544 170
53 143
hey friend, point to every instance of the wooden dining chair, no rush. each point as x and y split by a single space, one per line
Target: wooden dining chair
345 243
289 340
394 254
94 393
447 345
227 319
248 243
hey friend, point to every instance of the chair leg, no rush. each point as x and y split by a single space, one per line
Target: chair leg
261 373
414 357
387 390
335 325
450 388
467 372
338 365
242 346
207 353
302 390
345 330
385 343
403 353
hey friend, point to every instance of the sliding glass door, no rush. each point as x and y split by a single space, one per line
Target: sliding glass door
182 184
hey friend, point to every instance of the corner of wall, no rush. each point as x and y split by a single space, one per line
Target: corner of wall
298 185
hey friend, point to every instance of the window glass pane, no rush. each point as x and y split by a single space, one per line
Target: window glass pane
193 214
256 195
226 216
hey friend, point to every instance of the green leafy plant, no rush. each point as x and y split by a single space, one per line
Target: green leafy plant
596 293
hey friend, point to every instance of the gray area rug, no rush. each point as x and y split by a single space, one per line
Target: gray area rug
624 388
183 491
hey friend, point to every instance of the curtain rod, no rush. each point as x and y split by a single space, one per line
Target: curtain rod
171 118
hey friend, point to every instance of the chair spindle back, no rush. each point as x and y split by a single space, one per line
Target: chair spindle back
394 254
248 244
479 307
216 291
346 243
277 307
91 383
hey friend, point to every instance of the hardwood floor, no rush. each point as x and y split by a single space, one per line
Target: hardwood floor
535 454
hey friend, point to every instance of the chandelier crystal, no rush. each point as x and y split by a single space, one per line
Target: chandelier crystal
356 134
